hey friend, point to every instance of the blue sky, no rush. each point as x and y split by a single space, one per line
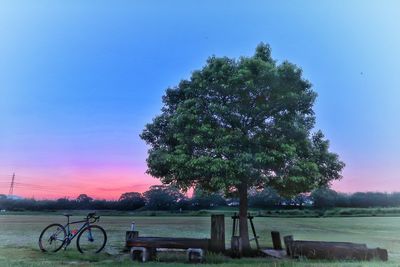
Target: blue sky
80 79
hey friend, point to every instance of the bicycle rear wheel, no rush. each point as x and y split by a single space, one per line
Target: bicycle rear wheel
52 238
92 239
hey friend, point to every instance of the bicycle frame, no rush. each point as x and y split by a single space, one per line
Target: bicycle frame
71 236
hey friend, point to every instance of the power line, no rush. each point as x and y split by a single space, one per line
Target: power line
36 186
11 191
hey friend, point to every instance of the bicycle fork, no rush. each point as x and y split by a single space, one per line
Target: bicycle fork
90 236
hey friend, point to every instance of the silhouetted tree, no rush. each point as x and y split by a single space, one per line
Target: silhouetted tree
342 200
369 199
266 198
83 198
162 197
64 204
202 199
131 201
395 199
324 197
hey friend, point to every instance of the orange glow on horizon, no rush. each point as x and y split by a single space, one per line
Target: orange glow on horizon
98 184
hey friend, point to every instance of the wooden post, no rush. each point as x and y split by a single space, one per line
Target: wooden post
236 247
217 242
288 240
276 240
253 229
234 218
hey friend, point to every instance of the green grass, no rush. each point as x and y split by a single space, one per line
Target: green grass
19 234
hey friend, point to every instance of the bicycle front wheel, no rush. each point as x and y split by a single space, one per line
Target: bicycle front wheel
52 238
92 239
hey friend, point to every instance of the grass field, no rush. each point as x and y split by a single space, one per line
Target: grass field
19 234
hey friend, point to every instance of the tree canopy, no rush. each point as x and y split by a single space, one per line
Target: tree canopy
84 198
248 120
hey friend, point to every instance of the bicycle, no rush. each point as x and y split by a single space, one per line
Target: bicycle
55 236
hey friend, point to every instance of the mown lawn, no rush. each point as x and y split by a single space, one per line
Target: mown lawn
19 234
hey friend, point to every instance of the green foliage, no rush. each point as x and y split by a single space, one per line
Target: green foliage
371 199
131 201
241 122
324 198
203 200
83 198
267 198
327 198
161 197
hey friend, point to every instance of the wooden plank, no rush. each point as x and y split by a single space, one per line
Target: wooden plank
217 243
169 242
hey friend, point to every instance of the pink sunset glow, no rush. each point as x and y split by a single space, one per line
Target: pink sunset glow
109 184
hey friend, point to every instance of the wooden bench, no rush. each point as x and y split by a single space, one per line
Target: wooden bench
145 248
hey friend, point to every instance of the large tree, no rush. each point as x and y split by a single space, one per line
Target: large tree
237 124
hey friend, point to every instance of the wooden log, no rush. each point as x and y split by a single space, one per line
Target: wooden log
332 250
304 243
169 242
217 243
276 240
378 253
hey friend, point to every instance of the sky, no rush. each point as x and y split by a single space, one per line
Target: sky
80 79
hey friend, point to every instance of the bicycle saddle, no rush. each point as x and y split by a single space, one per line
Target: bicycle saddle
67 214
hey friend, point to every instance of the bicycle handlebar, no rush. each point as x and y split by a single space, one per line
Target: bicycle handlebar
92 218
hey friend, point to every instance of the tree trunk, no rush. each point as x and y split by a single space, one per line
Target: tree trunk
243 226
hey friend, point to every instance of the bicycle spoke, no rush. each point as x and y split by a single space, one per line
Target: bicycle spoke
91 240
52 238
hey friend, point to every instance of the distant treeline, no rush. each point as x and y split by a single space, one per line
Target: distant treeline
327 198
161 197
